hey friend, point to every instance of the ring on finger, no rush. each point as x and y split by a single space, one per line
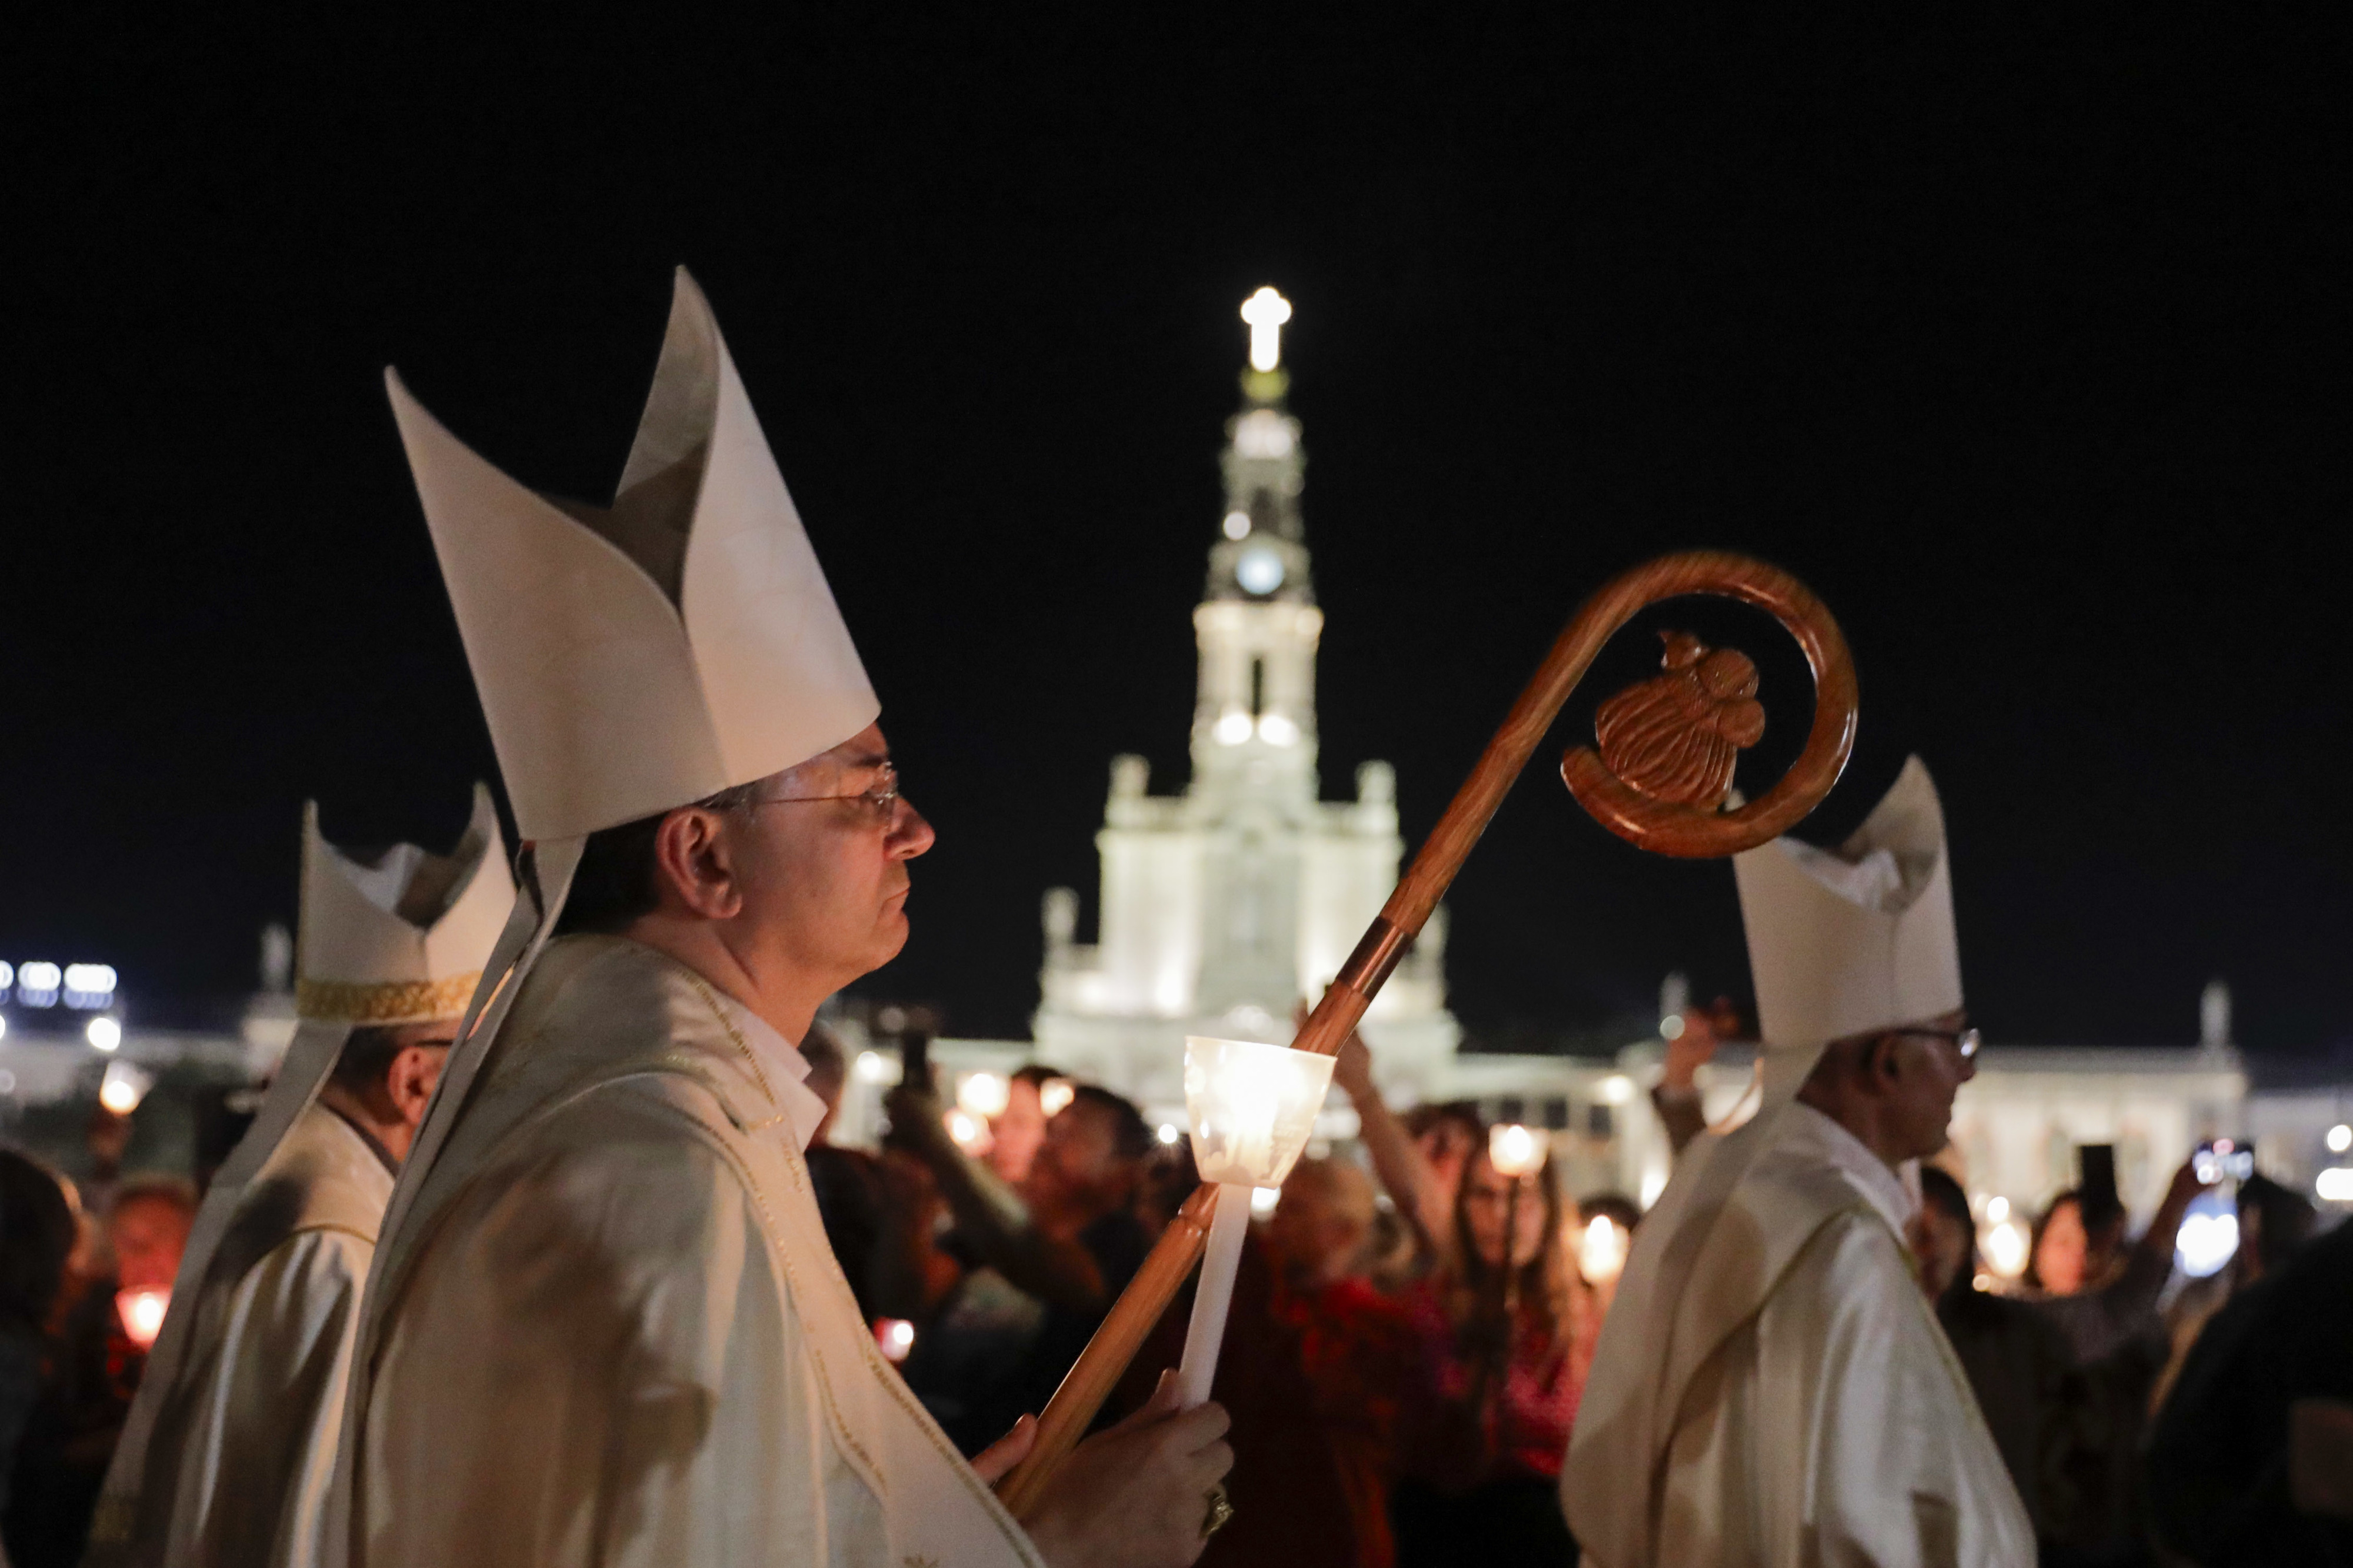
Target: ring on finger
1221 1511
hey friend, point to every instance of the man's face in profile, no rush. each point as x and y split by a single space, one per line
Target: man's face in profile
823 861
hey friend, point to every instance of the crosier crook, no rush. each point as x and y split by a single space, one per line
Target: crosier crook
1636 803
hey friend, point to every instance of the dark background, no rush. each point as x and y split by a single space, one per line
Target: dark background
2021 341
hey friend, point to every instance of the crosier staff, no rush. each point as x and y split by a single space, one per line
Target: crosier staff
1660 781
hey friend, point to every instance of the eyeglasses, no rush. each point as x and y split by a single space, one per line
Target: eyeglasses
882 799
1965 1042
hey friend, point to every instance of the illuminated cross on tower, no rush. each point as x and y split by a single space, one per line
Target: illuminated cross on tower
1266 311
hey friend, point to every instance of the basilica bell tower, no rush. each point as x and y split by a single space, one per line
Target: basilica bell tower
1226 906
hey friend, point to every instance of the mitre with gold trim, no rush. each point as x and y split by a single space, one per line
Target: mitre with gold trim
399 935
1846 941
394 936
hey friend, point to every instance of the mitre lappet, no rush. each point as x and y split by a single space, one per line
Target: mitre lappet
386 937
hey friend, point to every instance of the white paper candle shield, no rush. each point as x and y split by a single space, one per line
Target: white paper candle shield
1253 1106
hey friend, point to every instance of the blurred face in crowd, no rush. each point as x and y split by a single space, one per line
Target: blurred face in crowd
149 1235
1321 1223
1447 1145
1078 1162
1486 1198
1015 1134
2061 1255
1941 1241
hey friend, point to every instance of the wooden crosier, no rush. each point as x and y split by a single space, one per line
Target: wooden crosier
1659 782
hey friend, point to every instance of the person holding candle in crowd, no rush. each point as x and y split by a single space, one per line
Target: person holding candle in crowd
1771 1386
1007 1299
605 1324
102 1326
1502 1363
230 1456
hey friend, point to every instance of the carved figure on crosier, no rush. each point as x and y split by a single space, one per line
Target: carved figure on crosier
1676 736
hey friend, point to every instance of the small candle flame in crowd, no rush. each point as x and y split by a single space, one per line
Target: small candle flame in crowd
970 1132
1602 1257
143 1314
894 1337
1515 1151
984 1094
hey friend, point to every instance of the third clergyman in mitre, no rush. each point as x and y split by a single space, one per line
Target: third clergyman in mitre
1771 1386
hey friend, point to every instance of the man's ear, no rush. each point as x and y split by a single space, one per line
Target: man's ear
409 1083
695 864
1878 1061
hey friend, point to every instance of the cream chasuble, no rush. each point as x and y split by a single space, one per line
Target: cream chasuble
244 1440
1772 1388
611 1328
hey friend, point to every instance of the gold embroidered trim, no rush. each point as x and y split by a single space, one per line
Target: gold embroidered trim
742 1046
386 1002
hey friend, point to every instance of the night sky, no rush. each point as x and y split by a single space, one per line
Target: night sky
2022 341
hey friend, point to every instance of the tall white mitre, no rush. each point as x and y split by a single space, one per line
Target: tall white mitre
401 936
1844 941
396 936
641 658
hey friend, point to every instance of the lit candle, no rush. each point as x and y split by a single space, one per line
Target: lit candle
985 1095
143 1314
1252 1107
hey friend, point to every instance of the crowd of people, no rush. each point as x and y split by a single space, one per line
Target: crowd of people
1403 1376
84 1269
1401 1394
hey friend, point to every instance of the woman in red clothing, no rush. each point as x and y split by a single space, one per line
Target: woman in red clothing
1504 1348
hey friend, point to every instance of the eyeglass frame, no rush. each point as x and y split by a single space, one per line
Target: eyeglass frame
1965 1042
884 797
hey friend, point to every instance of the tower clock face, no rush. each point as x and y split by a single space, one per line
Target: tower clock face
1258 571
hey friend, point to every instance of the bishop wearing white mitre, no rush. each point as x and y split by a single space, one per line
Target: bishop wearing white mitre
1771 1386
605 1325
230 1445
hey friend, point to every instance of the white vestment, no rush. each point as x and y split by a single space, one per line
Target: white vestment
1771 1386
612 1330
244 1443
